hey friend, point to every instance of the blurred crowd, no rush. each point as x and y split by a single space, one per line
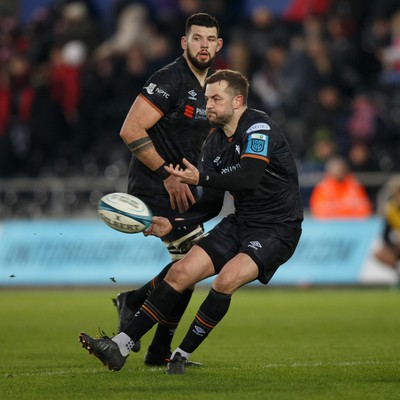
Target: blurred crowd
328 71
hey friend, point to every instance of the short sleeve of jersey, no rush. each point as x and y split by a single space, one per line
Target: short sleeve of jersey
160 90
256 141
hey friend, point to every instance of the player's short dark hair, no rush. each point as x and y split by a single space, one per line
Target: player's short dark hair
237 82
201 19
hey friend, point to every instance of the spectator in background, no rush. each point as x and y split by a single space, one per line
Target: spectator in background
6 157
313 26
132 28
389 251
48 128
66 66
269 83
281 82
365 123
238 57
328 109
76 24
321 66
390 55
369 142
19 69
39 35
343 48
339 195
259 29
5 101
323 147
362 158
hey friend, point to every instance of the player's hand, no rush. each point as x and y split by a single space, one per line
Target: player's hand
159 227
179 193
190 175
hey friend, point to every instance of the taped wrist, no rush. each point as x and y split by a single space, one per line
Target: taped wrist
162 173
180 247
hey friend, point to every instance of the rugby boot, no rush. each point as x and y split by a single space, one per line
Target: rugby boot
176 366
152 359
105 350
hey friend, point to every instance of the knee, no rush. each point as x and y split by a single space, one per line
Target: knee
224 283
178 277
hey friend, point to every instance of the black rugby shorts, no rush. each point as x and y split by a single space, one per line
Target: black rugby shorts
268 251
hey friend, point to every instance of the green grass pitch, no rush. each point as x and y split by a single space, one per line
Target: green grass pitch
273 344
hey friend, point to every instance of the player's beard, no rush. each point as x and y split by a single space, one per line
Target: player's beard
201 65
220 120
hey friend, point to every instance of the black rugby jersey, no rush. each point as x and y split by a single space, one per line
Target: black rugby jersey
277 197
176 92
276 200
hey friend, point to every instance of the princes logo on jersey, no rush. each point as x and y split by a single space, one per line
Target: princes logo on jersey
197 113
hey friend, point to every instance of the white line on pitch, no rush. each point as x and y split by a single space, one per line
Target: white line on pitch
293 365
330 364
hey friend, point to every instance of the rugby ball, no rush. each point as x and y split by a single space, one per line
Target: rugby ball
124 212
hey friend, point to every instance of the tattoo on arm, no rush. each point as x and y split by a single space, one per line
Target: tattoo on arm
137 146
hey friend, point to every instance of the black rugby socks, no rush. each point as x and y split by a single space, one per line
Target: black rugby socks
161 343
210 313
158 305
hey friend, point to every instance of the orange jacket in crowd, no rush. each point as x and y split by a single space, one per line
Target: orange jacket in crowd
340 199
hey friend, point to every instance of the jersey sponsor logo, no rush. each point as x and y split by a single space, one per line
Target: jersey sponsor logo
237 148
150 88
258 127
257 144
192 95
189 111
192 112
254 244
201 113
162 93
231 168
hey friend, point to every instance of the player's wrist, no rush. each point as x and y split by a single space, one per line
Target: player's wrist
162 172
203 179
176 222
